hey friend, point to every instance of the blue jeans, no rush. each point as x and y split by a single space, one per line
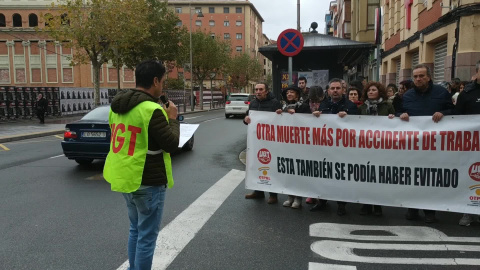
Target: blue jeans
145 209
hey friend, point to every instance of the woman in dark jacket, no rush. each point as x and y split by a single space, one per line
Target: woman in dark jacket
293 104
375 103
355 95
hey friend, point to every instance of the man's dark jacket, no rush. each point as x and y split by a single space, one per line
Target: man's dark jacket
270 104
161 134
344 105
468 101
42 105
435 99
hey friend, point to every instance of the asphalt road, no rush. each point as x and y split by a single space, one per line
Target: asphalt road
58 215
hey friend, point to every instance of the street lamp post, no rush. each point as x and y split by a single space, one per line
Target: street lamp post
212 76
199 15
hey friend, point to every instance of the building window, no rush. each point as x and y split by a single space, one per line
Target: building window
238 23
32 20
198 23
2 20
212 36
239 35
17 20
226 36
372 5
211 23
238 48
264 61
226 10
180 75
226 23
178 10
211 10
179 24
238 10
198 10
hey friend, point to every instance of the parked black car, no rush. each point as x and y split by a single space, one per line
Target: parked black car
89 138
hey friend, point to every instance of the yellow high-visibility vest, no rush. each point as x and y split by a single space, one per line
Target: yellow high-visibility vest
129 148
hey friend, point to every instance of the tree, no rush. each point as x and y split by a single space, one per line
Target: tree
165 37
174 84
209 55
124 31
242 68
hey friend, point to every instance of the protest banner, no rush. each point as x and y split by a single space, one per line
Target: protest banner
367 159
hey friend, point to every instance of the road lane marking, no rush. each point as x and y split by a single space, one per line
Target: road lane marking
324 266
344 251
58 136
4 147
187 118
212 119
396 233
56 156
176 235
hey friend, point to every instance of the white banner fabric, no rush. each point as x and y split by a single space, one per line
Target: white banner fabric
367 159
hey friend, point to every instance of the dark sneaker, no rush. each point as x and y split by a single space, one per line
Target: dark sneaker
465 220
319 206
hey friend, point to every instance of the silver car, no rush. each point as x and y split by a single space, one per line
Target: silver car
237 104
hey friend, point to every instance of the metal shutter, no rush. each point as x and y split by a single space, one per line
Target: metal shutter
415 59
439 62
397 73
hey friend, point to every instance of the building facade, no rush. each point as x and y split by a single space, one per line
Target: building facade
32 59
237 21
363 30
443 34
267 63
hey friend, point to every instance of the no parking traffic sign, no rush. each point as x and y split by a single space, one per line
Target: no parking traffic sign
290 42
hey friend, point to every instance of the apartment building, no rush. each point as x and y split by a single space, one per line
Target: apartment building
442 34
237 21
267 63
30 59
363 30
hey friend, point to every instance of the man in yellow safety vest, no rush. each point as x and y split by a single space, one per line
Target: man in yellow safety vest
138 164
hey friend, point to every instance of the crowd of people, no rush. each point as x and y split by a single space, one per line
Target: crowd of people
418 96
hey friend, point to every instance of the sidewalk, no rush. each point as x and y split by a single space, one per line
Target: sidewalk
21 129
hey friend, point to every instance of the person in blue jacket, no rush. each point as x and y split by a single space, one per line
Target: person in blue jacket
425 99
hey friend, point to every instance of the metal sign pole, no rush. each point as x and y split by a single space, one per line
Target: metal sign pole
290 70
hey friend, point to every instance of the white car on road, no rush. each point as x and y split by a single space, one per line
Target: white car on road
237 104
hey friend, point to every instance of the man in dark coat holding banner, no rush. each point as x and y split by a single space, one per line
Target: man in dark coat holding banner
335 104
468 102
265 102
425 99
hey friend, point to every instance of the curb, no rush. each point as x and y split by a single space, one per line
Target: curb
55 132
243 157
30 135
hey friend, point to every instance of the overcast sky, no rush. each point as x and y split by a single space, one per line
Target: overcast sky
282 14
